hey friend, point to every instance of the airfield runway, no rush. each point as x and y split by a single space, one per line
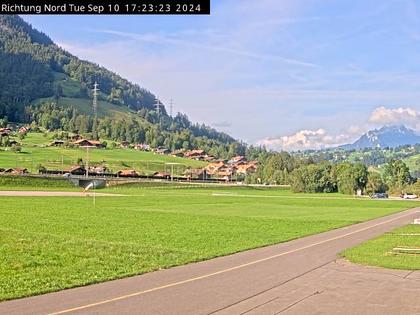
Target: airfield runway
304 276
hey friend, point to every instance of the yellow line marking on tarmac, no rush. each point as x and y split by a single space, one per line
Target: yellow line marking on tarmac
225 270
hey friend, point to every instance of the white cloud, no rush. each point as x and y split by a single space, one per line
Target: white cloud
396 116
305 139
320 138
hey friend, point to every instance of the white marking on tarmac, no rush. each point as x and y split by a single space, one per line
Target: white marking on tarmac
224 270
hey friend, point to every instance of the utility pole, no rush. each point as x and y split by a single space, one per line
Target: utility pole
158 104
171 106
87 161
95 100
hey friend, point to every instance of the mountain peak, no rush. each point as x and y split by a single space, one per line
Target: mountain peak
387 136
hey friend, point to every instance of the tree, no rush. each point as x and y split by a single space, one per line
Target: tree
3 122
277 167
375 183
352 177
313 178
397 174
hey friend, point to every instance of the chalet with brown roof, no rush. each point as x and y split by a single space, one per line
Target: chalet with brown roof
56 143
178 153
225 174
142 147
88 143
125 144
209 158
4 132
16 171
246 169
97 169
162 151
162 175
127 173
195 154
212 168
200 173
237 159
23 130
76 137
76 170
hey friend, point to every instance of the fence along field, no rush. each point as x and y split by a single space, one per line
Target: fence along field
52 243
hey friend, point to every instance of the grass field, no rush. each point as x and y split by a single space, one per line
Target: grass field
379 252
32 183
35 152
52 243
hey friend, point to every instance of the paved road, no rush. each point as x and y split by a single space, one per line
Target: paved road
303 276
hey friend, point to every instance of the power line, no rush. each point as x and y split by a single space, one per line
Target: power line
158 104
171 107
95 99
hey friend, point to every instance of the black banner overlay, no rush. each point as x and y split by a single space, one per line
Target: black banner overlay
104 7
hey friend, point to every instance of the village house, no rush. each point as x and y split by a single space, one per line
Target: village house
16 171
125 145
23 130
246 169
212 168
56 143
5 132
195 154
142 147
127 173
200 173
88 143
178 153
225 174
162 151
97 169
237 159
162 175
76 137
209 158
76 170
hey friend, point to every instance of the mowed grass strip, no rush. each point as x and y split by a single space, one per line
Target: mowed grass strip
52 243
379 251
36 183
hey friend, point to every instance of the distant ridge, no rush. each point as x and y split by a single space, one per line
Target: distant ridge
387 136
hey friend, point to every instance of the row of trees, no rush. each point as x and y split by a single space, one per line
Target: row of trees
308 175
348 178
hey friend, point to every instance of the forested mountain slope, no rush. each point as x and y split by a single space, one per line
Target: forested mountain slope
41 82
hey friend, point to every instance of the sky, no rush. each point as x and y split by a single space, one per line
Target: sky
287 74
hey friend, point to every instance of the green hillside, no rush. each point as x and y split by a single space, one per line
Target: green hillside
42 84
36 152
32 67
84 106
